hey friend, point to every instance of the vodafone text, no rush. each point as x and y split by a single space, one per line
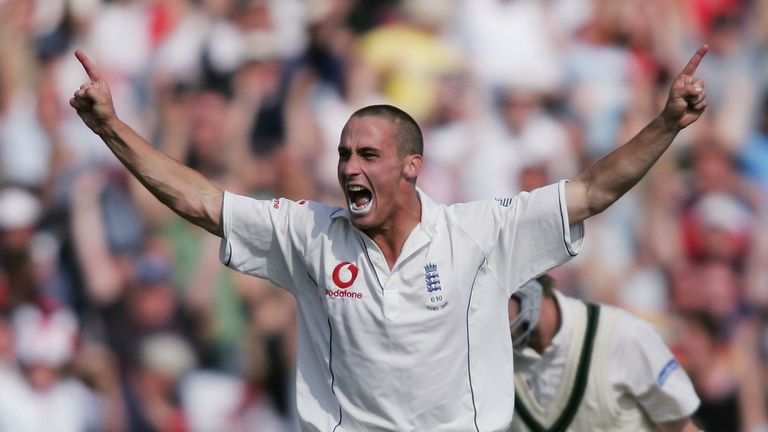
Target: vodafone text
343 294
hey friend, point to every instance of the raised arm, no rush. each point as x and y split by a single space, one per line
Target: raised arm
606 180
182 189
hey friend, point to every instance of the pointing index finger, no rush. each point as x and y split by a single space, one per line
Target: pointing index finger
693 63
90 69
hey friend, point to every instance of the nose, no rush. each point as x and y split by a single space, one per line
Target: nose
349 167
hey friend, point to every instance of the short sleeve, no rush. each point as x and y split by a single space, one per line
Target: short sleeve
534 235
645 368
264 237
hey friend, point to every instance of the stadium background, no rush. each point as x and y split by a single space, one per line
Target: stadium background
116 315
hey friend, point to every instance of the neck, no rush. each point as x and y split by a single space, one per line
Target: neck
390 237
548 326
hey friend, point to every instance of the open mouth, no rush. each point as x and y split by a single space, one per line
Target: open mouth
360 199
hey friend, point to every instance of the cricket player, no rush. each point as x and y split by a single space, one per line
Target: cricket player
587 367
402 303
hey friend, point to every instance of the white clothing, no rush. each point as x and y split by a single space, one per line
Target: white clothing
510 44
633 378
446 149
47 338
25 149
498 159
124 25
415 348
213 401
68 406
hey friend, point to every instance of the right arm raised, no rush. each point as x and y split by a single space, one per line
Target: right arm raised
182 189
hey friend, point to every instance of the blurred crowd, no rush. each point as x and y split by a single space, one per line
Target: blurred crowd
115 314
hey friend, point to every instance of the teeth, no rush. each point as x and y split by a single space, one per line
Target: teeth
363 209
355 208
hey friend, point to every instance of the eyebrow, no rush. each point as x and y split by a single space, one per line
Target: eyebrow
360 149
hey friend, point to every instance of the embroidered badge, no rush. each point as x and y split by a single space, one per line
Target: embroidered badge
435 296
432 277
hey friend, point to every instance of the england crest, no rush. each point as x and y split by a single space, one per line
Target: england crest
432 278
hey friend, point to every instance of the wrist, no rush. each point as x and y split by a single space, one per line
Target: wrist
109 127
667 125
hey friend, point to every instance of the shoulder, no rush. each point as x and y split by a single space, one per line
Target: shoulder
632 334
280 206
464 212
262 221
506 204
277 203
626 323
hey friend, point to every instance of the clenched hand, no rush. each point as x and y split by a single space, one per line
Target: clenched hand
687 96
93 100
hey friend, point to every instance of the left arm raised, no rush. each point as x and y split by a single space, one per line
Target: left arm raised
610 177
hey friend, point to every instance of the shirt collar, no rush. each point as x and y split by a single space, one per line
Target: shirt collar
340 212
428 213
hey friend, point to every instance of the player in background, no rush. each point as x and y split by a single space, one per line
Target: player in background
587 367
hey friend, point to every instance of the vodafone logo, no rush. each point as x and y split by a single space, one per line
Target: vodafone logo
344 274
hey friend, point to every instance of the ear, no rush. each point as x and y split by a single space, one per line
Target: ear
412 167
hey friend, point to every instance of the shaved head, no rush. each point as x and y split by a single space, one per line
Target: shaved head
409 138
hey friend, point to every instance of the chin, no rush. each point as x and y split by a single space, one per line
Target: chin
364 222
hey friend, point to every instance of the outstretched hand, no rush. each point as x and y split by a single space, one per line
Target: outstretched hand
93 100
687 96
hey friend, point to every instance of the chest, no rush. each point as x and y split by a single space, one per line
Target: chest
430 282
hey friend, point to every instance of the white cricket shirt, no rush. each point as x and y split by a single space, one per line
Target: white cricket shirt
642 372
423 347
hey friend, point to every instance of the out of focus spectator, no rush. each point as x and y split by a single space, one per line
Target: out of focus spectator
512 44
216 401
734 100
151 390
720 364
412 53
601 72
522 134
753 155
449 131
21 243
40 395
